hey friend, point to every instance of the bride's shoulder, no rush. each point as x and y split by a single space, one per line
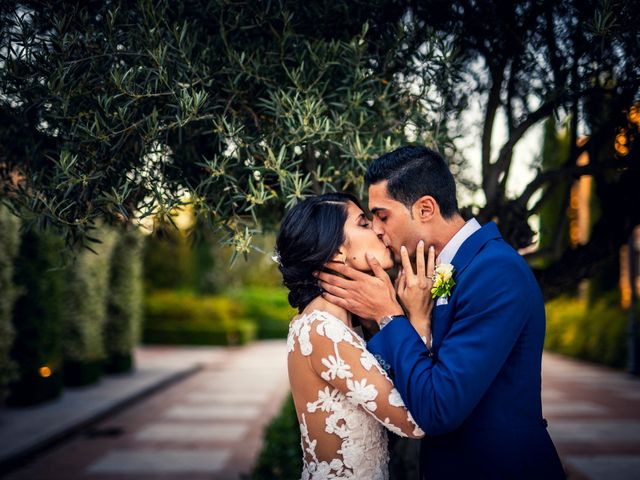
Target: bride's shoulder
319 318
319 327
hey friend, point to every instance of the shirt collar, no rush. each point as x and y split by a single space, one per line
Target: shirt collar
451 248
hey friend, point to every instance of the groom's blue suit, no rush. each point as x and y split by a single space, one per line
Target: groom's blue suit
477 393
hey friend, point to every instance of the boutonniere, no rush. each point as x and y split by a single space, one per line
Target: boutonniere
443 281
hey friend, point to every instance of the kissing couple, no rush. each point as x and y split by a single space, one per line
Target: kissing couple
457 358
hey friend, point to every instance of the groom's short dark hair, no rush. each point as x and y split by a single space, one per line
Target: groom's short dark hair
412 172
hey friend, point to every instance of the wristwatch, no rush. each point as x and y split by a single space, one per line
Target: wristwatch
387 319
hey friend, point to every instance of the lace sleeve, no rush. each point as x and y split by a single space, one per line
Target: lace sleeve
341 359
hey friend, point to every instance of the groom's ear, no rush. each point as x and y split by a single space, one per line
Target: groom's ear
425 208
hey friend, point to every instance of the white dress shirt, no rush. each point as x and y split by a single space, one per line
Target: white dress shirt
451 248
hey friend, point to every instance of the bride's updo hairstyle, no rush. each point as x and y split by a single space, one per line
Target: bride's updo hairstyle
310 235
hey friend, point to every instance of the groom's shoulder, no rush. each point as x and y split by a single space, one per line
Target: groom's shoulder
498 259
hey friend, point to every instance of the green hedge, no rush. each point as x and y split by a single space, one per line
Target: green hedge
85 311
596 332
124 302
37 319
184 318
9 243
268 308
281 455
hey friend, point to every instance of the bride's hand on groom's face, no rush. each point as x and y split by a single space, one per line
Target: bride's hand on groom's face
414 288
364 295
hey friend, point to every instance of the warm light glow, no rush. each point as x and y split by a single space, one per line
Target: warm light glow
621 143
621 138
625 280
579 212
45 372
625 287
634 115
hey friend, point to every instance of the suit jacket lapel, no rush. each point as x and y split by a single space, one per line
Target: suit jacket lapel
443 314
472 246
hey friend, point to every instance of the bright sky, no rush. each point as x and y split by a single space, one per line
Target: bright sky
527 150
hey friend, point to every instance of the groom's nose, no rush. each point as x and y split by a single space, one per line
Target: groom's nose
377 228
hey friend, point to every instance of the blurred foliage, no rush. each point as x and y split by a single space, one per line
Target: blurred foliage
403 457
596 332
85 310
258 270
122 329
37 319
176 306
193 259
180 317
281 455
268 308
169 261
553 212
9 244
234 316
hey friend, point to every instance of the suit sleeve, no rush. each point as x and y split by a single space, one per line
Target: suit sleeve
491 310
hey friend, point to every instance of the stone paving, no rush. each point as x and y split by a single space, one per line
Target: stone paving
594 418
209 425
30 429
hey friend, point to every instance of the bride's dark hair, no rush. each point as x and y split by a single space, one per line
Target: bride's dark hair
310 235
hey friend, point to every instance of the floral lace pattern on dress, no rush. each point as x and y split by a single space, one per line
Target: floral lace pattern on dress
342 427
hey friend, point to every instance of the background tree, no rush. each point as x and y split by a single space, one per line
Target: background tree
37 319
9 245
526 61
119 109
123 323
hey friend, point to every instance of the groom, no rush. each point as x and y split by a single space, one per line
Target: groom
476 390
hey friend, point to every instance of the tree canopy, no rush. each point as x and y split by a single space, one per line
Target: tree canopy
123 110
119 110
578 61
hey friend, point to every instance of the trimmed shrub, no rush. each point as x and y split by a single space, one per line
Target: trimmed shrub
281 455
596 332
168 260
183 318
124 302
85 310
37 319
268 308
9 243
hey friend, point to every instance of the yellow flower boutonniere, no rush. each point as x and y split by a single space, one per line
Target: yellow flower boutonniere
443 281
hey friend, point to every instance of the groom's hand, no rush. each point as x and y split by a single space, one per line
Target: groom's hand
364 295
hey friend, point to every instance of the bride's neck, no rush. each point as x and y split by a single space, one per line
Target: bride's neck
320 303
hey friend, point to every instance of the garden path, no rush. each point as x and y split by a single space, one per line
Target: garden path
207 426
210 424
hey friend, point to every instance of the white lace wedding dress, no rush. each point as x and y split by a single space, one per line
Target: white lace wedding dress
344 401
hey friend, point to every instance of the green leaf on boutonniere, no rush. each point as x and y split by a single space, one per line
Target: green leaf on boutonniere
443 281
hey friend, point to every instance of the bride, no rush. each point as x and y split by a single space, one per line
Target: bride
343 398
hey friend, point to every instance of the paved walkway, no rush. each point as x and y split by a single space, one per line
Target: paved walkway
207 426
594 418
31 429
